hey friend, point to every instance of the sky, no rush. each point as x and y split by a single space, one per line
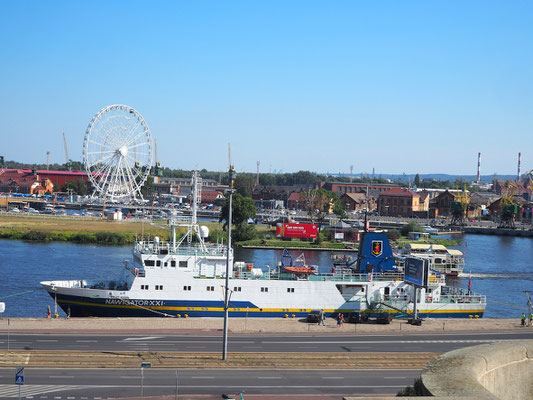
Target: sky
399 86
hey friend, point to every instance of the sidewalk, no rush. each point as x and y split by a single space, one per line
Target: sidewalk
210 326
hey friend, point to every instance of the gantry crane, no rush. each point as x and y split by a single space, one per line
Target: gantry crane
460 208
508 207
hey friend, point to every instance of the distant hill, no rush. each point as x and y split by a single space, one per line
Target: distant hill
438 177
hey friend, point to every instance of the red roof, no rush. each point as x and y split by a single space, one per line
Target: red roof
211 195
398 192
295 196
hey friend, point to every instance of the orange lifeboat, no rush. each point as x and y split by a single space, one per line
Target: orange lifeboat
307 270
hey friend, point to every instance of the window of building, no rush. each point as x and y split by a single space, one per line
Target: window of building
173 263
183 264
149 263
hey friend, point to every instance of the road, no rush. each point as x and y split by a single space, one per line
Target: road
70 384
347 342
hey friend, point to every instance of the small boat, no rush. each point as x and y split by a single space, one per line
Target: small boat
302 270
298 267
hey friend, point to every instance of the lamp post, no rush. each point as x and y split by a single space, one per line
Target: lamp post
226 289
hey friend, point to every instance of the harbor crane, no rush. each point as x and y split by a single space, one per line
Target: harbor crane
68 161
508 207
158 170
460 208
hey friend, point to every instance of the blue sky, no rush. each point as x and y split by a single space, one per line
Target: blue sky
416 86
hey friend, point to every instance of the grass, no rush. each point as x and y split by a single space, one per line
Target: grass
292 244
445 242
84 230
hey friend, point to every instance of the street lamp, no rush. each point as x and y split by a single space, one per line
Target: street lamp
231 173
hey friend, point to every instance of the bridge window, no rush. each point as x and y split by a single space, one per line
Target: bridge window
186 288
210 288
149 263
290 290
173 263
158 263
183 264
237 289
264 289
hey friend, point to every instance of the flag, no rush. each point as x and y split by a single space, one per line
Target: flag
470 280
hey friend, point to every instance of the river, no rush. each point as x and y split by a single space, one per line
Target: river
502 269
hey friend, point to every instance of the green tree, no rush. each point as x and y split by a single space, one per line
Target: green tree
417 180
244 184
147 190
318 203
411 227
77 187
242 208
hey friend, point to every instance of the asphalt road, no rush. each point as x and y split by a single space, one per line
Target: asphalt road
427 342
70 384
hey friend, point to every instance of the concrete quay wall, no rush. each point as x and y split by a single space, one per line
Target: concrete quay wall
490 372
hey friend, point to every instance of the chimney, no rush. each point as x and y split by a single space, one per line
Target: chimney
519 162
479 167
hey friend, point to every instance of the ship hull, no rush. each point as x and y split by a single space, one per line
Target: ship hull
84 306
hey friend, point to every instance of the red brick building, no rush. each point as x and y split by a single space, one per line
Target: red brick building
25 182
400 202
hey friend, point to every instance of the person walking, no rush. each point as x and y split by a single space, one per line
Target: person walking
342 320
49 313
322 318
523 319
531 319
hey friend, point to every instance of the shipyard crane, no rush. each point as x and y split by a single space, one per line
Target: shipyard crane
508 207
68 162
158 169
460 208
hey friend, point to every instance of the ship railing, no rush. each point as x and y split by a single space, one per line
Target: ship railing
148 247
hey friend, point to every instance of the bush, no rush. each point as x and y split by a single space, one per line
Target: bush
417 389
393 234
411 227
244 232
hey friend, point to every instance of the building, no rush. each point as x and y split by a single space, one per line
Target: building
400 202
58 178
263 192
182 186
24 182
212 196
358 202
342 187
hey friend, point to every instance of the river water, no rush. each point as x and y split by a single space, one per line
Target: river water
501 268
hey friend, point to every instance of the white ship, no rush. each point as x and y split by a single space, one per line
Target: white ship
186 277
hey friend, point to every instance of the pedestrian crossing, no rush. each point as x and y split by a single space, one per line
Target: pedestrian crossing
35 391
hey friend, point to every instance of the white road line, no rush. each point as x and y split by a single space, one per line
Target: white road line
269 377
202 377
130 377
47 340
140 338
394 377
332 377
60 376
86 341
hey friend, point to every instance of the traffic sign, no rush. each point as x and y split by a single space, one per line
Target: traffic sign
19 376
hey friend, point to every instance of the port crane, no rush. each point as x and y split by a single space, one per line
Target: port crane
68 161
460 208
508 207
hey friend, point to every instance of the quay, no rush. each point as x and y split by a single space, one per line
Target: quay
249 325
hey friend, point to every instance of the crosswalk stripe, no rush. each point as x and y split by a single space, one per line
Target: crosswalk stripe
33 390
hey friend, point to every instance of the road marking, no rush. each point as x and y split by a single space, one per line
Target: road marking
202 377
394 377
60 376
269 377
129 377
332 377
140 338
47 340
86 341
395 341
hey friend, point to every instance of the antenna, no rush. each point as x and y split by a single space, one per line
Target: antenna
47 160
519 163
479 167
66 153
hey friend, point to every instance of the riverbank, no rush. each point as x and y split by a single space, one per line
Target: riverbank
248 325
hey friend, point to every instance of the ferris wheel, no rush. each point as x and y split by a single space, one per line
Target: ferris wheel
117 152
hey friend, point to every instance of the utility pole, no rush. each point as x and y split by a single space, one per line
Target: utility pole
231 174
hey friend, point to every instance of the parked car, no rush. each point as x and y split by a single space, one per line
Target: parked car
383 318
357 317
315 316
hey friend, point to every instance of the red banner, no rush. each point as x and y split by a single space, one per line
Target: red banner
296 230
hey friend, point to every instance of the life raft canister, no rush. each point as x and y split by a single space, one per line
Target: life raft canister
136 271
369 276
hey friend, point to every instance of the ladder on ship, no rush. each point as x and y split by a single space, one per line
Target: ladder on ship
377 307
